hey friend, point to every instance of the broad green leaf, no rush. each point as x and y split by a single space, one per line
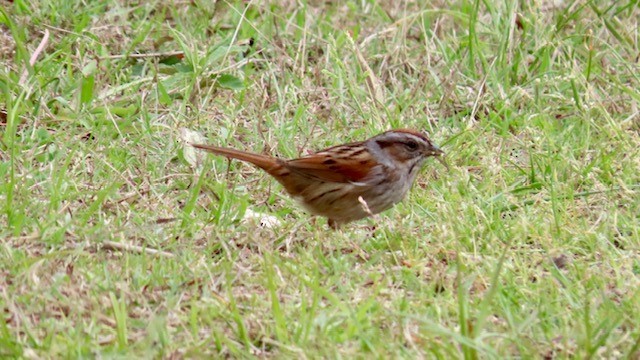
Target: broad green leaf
230 82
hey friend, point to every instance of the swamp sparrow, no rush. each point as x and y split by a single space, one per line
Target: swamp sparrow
351 181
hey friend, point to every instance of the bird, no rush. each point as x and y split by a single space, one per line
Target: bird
351 181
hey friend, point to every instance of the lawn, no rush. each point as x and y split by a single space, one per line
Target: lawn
117 239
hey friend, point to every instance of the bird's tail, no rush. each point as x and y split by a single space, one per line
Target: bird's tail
265 162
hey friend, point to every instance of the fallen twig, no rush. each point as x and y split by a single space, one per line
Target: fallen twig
141 56
112 245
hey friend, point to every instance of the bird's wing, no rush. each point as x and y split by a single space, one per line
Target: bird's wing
341 164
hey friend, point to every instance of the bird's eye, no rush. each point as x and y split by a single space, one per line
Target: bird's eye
411 145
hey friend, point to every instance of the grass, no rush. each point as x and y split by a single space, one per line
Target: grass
527 247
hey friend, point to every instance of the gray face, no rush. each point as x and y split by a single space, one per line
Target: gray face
403 148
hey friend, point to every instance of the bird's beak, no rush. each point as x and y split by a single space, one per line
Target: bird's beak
438 154
435 151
